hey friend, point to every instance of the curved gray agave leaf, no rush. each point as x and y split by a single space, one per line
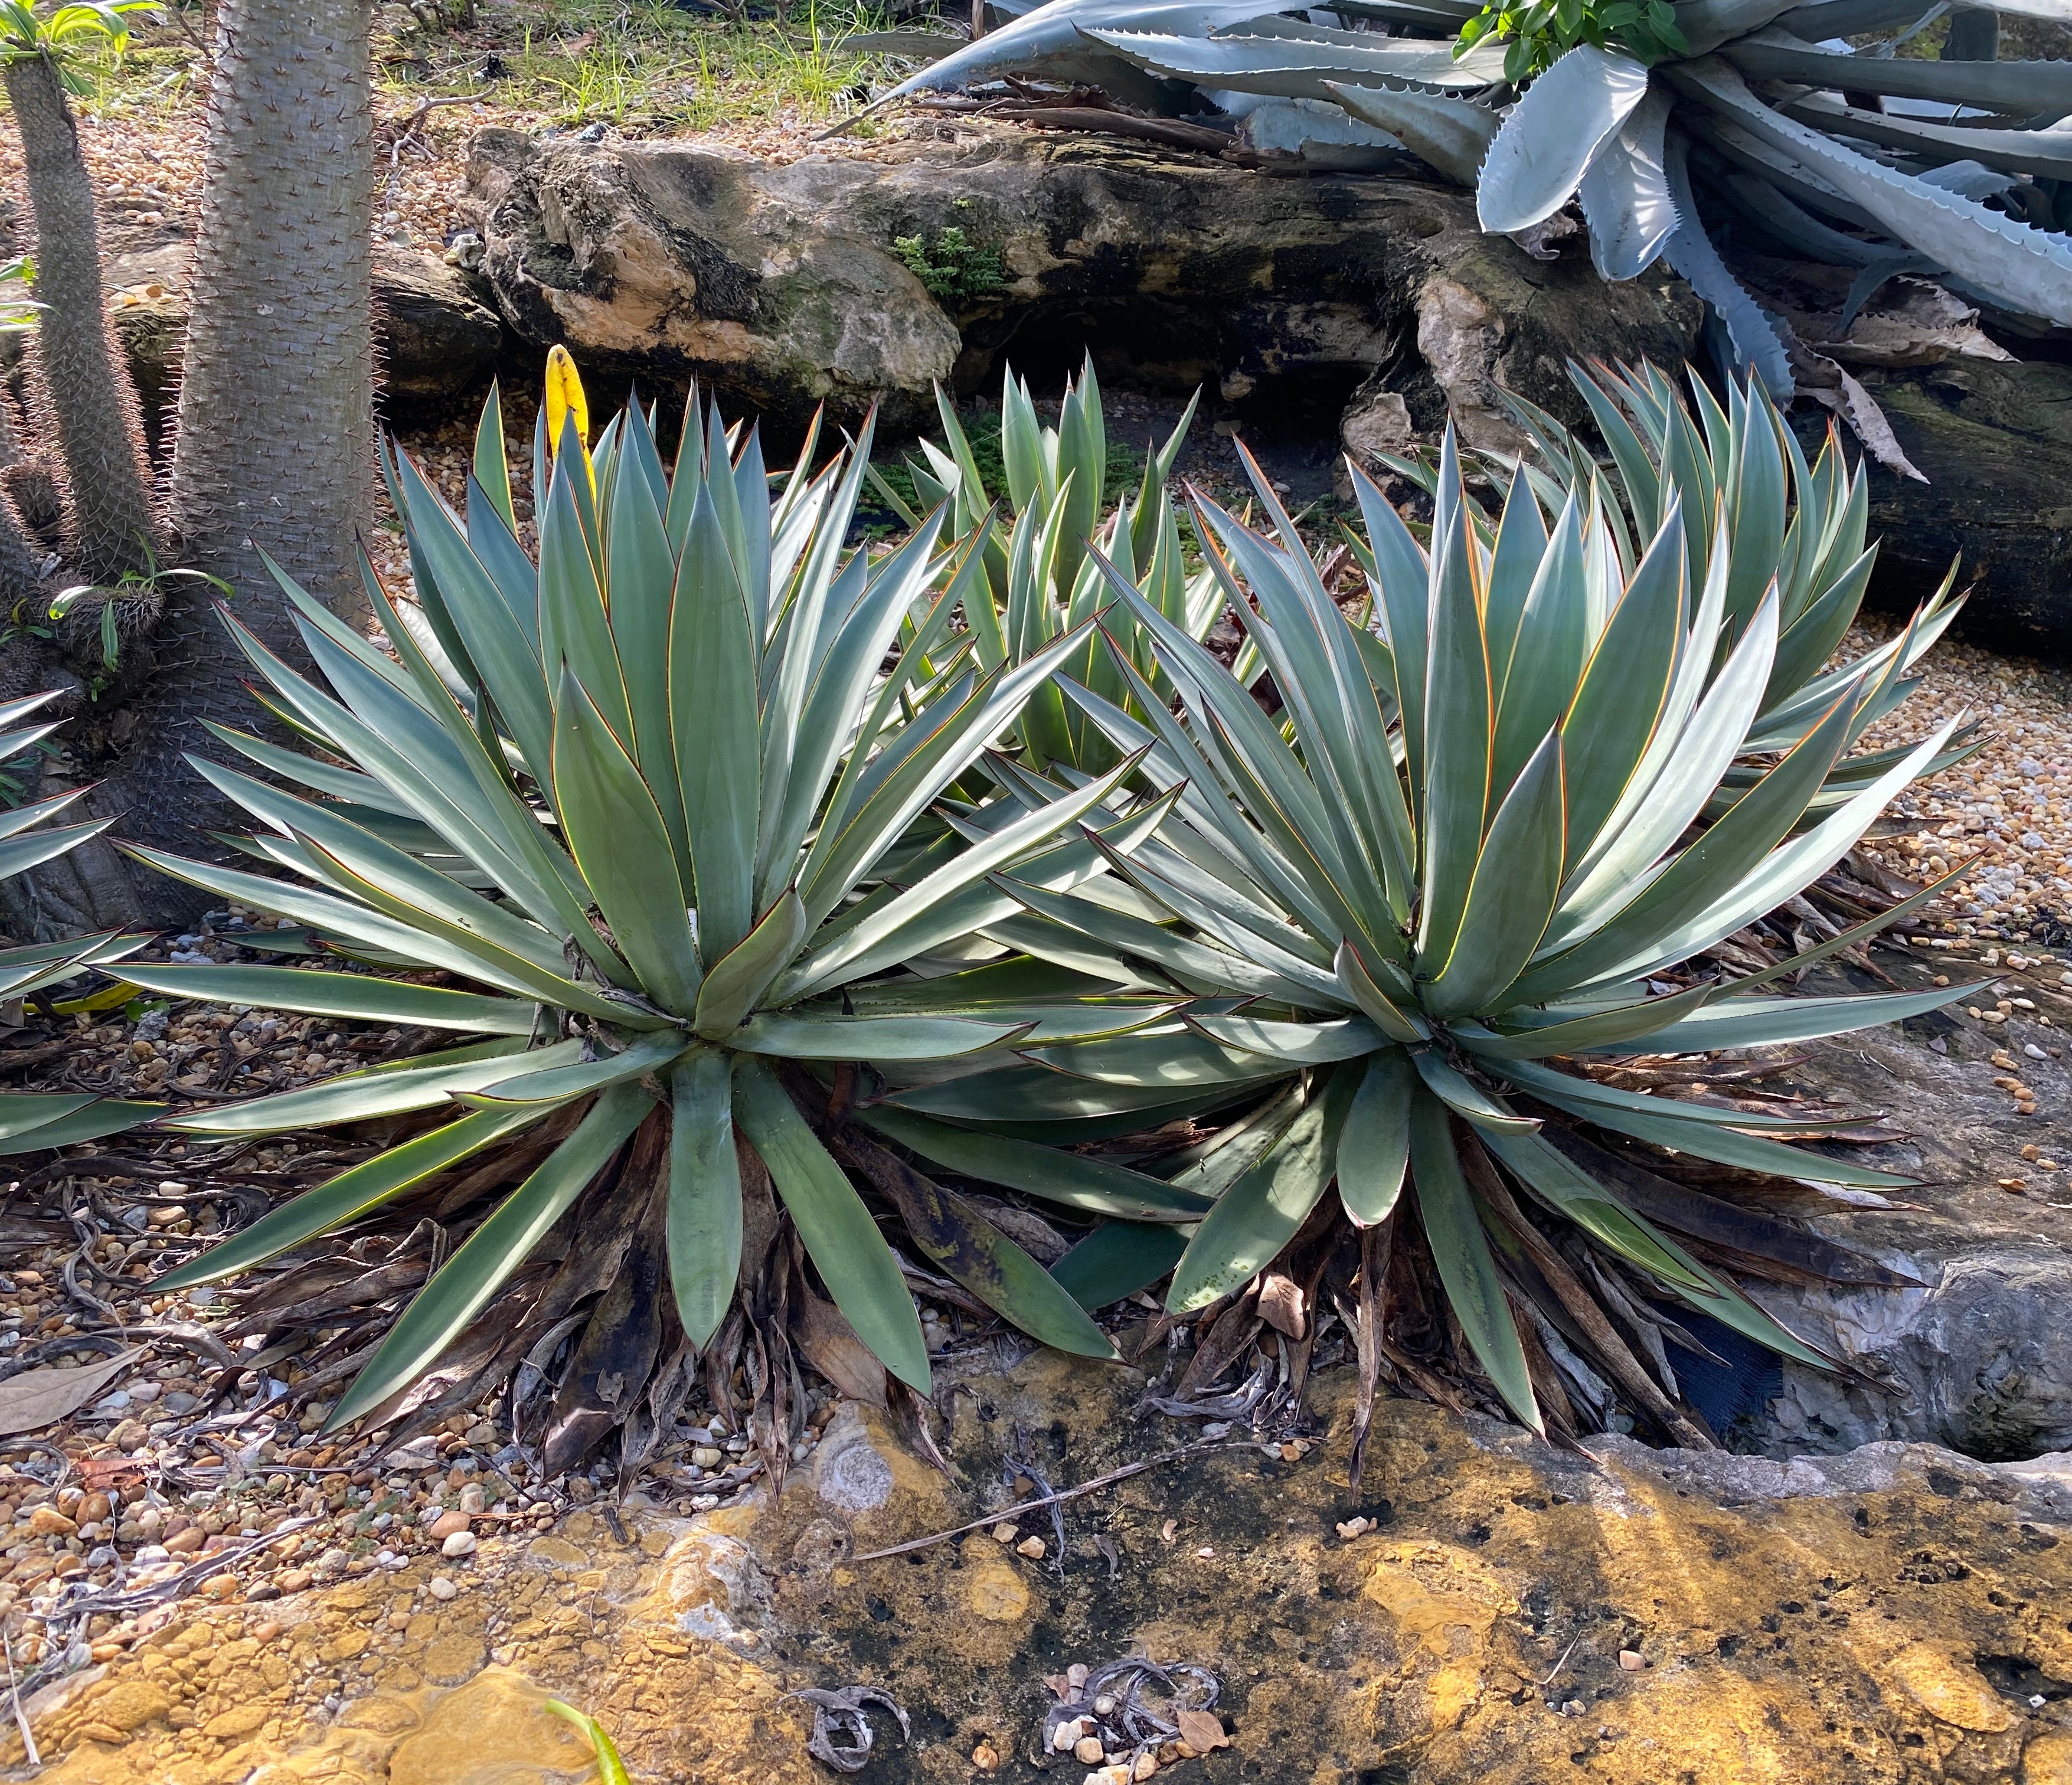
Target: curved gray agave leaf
1625 137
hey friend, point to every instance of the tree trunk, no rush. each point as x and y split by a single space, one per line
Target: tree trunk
80 378
276 441
275 446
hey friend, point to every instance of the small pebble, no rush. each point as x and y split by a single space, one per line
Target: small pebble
1632 1660
441 1588
1031 1547
460 1543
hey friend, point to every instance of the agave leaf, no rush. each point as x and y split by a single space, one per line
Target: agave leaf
2023 88
1756 1022
405 887
1076 1180
1364 992
1558 1181
739 978
1172 1056
1297 67
1758 348
799 1035
1118 1259
1625 193
877 942
2025 268
20 818
1731 849
43 1125
352 1193
1685 1134
1136 938
1466 1098
21 1111
361 997
1048 35
1553 134
1259 1213
423 1082
1513 894
1633 839
1795 865
705 1217
2042 153
1461 1249
474 1273
839 1234
18 854
617 838
1301 1043
970 1249
1373 1149
1452 135
646 1053
1459 731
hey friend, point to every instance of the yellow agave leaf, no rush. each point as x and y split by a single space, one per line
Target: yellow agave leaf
564 398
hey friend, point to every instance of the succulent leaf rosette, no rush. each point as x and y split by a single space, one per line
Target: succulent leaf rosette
1466 849
30 1121
678 796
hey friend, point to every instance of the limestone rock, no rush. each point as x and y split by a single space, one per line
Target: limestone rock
782 285
1980 1357
434 335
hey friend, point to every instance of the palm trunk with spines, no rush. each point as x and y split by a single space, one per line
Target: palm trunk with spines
275 446
79 375
275 442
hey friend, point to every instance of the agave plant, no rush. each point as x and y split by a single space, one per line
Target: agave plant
31 1120
1833 175
654 794
1782 523
1040 580
1461 857
1850 156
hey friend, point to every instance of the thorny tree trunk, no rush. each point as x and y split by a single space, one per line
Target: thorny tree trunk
276 440
92 403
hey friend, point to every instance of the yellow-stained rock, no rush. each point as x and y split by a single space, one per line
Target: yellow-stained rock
2048 1759
496 1731
1950 1691
233 1726
995 1592
1881 1619
128 1703
556 1553
450 1659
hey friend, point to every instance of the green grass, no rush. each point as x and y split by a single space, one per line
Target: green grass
644 67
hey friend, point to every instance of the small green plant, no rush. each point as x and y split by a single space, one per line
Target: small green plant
611 1769
951 266
129 607
1537 36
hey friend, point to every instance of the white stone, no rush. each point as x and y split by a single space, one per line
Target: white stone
460 1543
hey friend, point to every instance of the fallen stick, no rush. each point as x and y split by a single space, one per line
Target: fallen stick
1108 1480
